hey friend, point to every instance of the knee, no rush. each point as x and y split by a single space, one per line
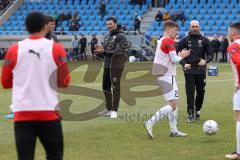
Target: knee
173 104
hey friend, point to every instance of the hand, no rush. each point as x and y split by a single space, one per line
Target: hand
187 67
98 49
184 53
202 62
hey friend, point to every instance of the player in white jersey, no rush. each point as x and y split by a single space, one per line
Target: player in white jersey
35 68
164 68
234 53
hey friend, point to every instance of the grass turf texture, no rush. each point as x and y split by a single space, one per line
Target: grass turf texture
125 137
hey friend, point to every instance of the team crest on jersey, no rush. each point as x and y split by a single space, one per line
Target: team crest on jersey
199 42
114 37
189 44
233 50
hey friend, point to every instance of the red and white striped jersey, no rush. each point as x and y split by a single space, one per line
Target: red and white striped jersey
162 57
27 68
234 53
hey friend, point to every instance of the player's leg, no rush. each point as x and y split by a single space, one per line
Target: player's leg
171 107
106 85
51 136
200 89
165 83
190 91
236 108
25 138
172 99
116 80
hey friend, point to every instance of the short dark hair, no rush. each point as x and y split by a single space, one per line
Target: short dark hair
50 19
112 19
35 22
170 24
236 26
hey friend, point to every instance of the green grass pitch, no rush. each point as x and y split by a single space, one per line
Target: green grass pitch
125 138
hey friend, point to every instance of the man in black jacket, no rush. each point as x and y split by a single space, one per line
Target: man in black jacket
216 47
51 23
114 49
93 42
223 47
200 55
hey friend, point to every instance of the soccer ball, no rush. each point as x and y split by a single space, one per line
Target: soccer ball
132 59
210 127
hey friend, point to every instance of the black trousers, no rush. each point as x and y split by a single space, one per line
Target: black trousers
111 87
224 56
49 133
83 52
195 82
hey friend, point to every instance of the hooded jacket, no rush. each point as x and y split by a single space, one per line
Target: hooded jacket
115 49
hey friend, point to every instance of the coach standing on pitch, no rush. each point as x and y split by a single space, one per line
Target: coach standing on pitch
51 24
200 55
114 51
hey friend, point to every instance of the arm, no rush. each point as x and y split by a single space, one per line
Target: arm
63 75
234 52
9 64
174 57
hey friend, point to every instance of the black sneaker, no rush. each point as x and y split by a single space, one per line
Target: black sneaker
190 119
197 117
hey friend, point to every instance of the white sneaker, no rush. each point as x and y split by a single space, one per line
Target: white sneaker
233 156
149 129
178 134
113 114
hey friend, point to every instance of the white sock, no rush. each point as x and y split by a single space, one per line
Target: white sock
238 136
160 114
172 118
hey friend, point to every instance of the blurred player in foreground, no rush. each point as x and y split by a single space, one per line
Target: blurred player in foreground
234 53
27 68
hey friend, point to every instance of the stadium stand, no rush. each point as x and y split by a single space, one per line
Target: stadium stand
4 4
214 16
90 18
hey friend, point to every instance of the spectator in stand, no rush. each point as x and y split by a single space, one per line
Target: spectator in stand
93 42
223 47
174 16
83 43
137 22
159 17
140 2
181 16
102 9
74 26
60 18
166 16
216 47
76 16
68 16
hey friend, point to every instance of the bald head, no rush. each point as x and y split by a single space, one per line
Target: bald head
194 27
